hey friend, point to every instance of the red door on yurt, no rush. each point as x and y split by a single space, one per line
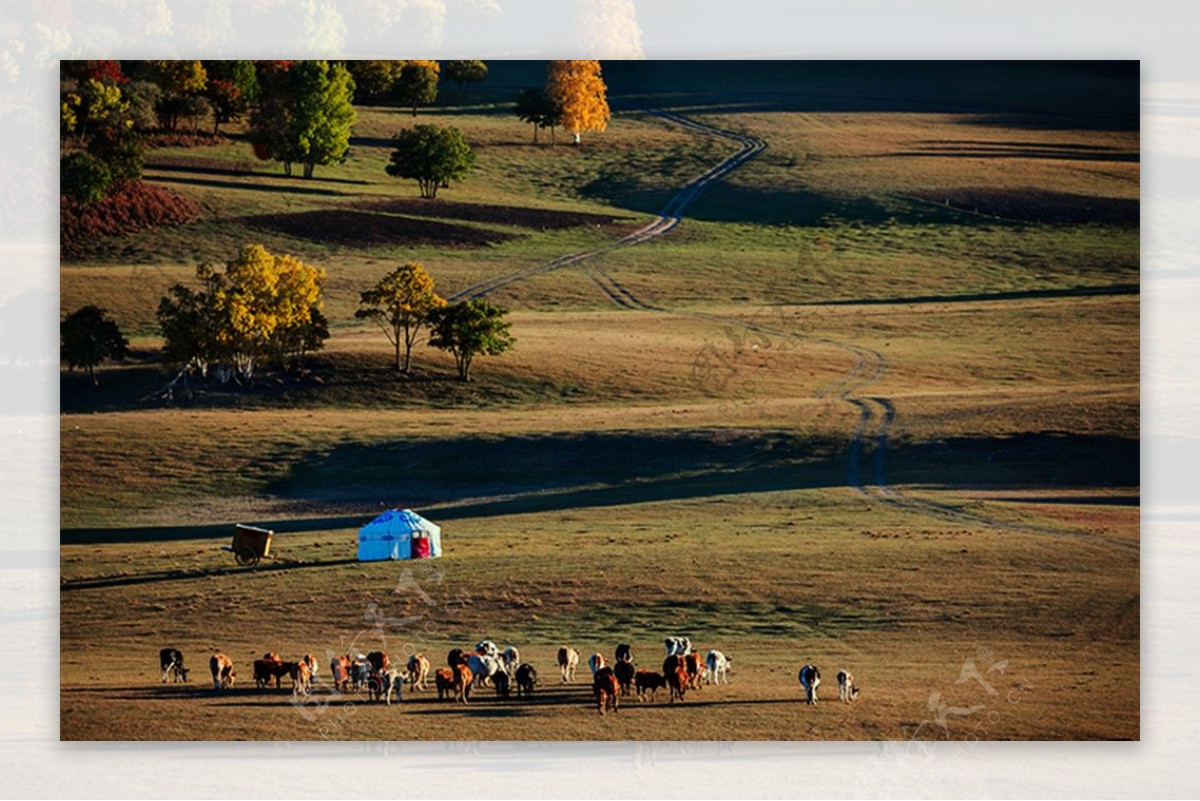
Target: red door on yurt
420 546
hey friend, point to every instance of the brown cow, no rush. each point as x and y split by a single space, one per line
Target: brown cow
418 671
301 677
604 685
696 670
456 657
649 683
339 668
676 674
267 671
222 671
462 683
444 680
624 672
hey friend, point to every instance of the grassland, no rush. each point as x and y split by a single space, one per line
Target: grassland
926 444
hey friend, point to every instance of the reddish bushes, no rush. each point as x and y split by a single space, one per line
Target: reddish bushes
135 207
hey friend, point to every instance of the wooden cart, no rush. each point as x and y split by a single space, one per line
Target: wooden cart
250 544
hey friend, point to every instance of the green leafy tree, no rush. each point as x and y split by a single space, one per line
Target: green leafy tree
416 84
373 79
400 303
88 337
304 114
181 82
84 177
431 155
232 87
470 329
536 107
465 72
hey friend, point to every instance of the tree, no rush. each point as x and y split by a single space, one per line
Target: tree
83 177
469 329
304 114
232 87
262 306
465 72
432 155
416 84
181 82
400 304
538 108
579 89
373 79
88 337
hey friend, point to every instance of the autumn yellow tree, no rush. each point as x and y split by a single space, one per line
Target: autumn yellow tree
580 91
400 304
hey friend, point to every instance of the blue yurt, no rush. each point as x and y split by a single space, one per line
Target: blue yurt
399 534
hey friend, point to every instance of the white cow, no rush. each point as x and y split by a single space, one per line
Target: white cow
595 662
487 648
568 660
393 681
718 667
810 679
847 692
678 646
483 668
511 658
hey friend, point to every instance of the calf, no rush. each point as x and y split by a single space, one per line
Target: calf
487 648
483 668
170 660
443 679
810 679
595 662
393 681
301 677
624 653
718 667
511 658
649 683
223 673
847 692
526 680
624 673
339 668
418 671
678 646
696 670
568 660
604 685
462 683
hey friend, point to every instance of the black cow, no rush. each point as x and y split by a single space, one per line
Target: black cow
526 680
170 661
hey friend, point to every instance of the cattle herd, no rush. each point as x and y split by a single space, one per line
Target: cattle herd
503 671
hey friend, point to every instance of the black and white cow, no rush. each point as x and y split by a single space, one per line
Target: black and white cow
511 659
810 679
678 646
718 667
483 668
847 692
487 648
624 653
171 662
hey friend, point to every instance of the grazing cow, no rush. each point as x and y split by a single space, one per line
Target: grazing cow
360 673
511 658
462 683
393 681
379 661
487 648
718 667
222 671
810 679
526 680
269 671
847 692
604 685
624 653
301 677
339 668
568 660
624 673
456 657
501 681
170 660
444 680
418 671
648 682
678 646
595 662
676 673
483 668
696 670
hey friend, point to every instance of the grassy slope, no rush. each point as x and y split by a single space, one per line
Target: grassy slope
590 490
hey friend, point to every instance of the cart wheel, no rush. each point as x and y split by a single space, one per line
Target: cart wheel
245 556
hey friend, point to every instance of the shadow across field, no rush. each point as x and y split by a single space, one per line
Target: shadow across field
543 473
517 216
363 229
